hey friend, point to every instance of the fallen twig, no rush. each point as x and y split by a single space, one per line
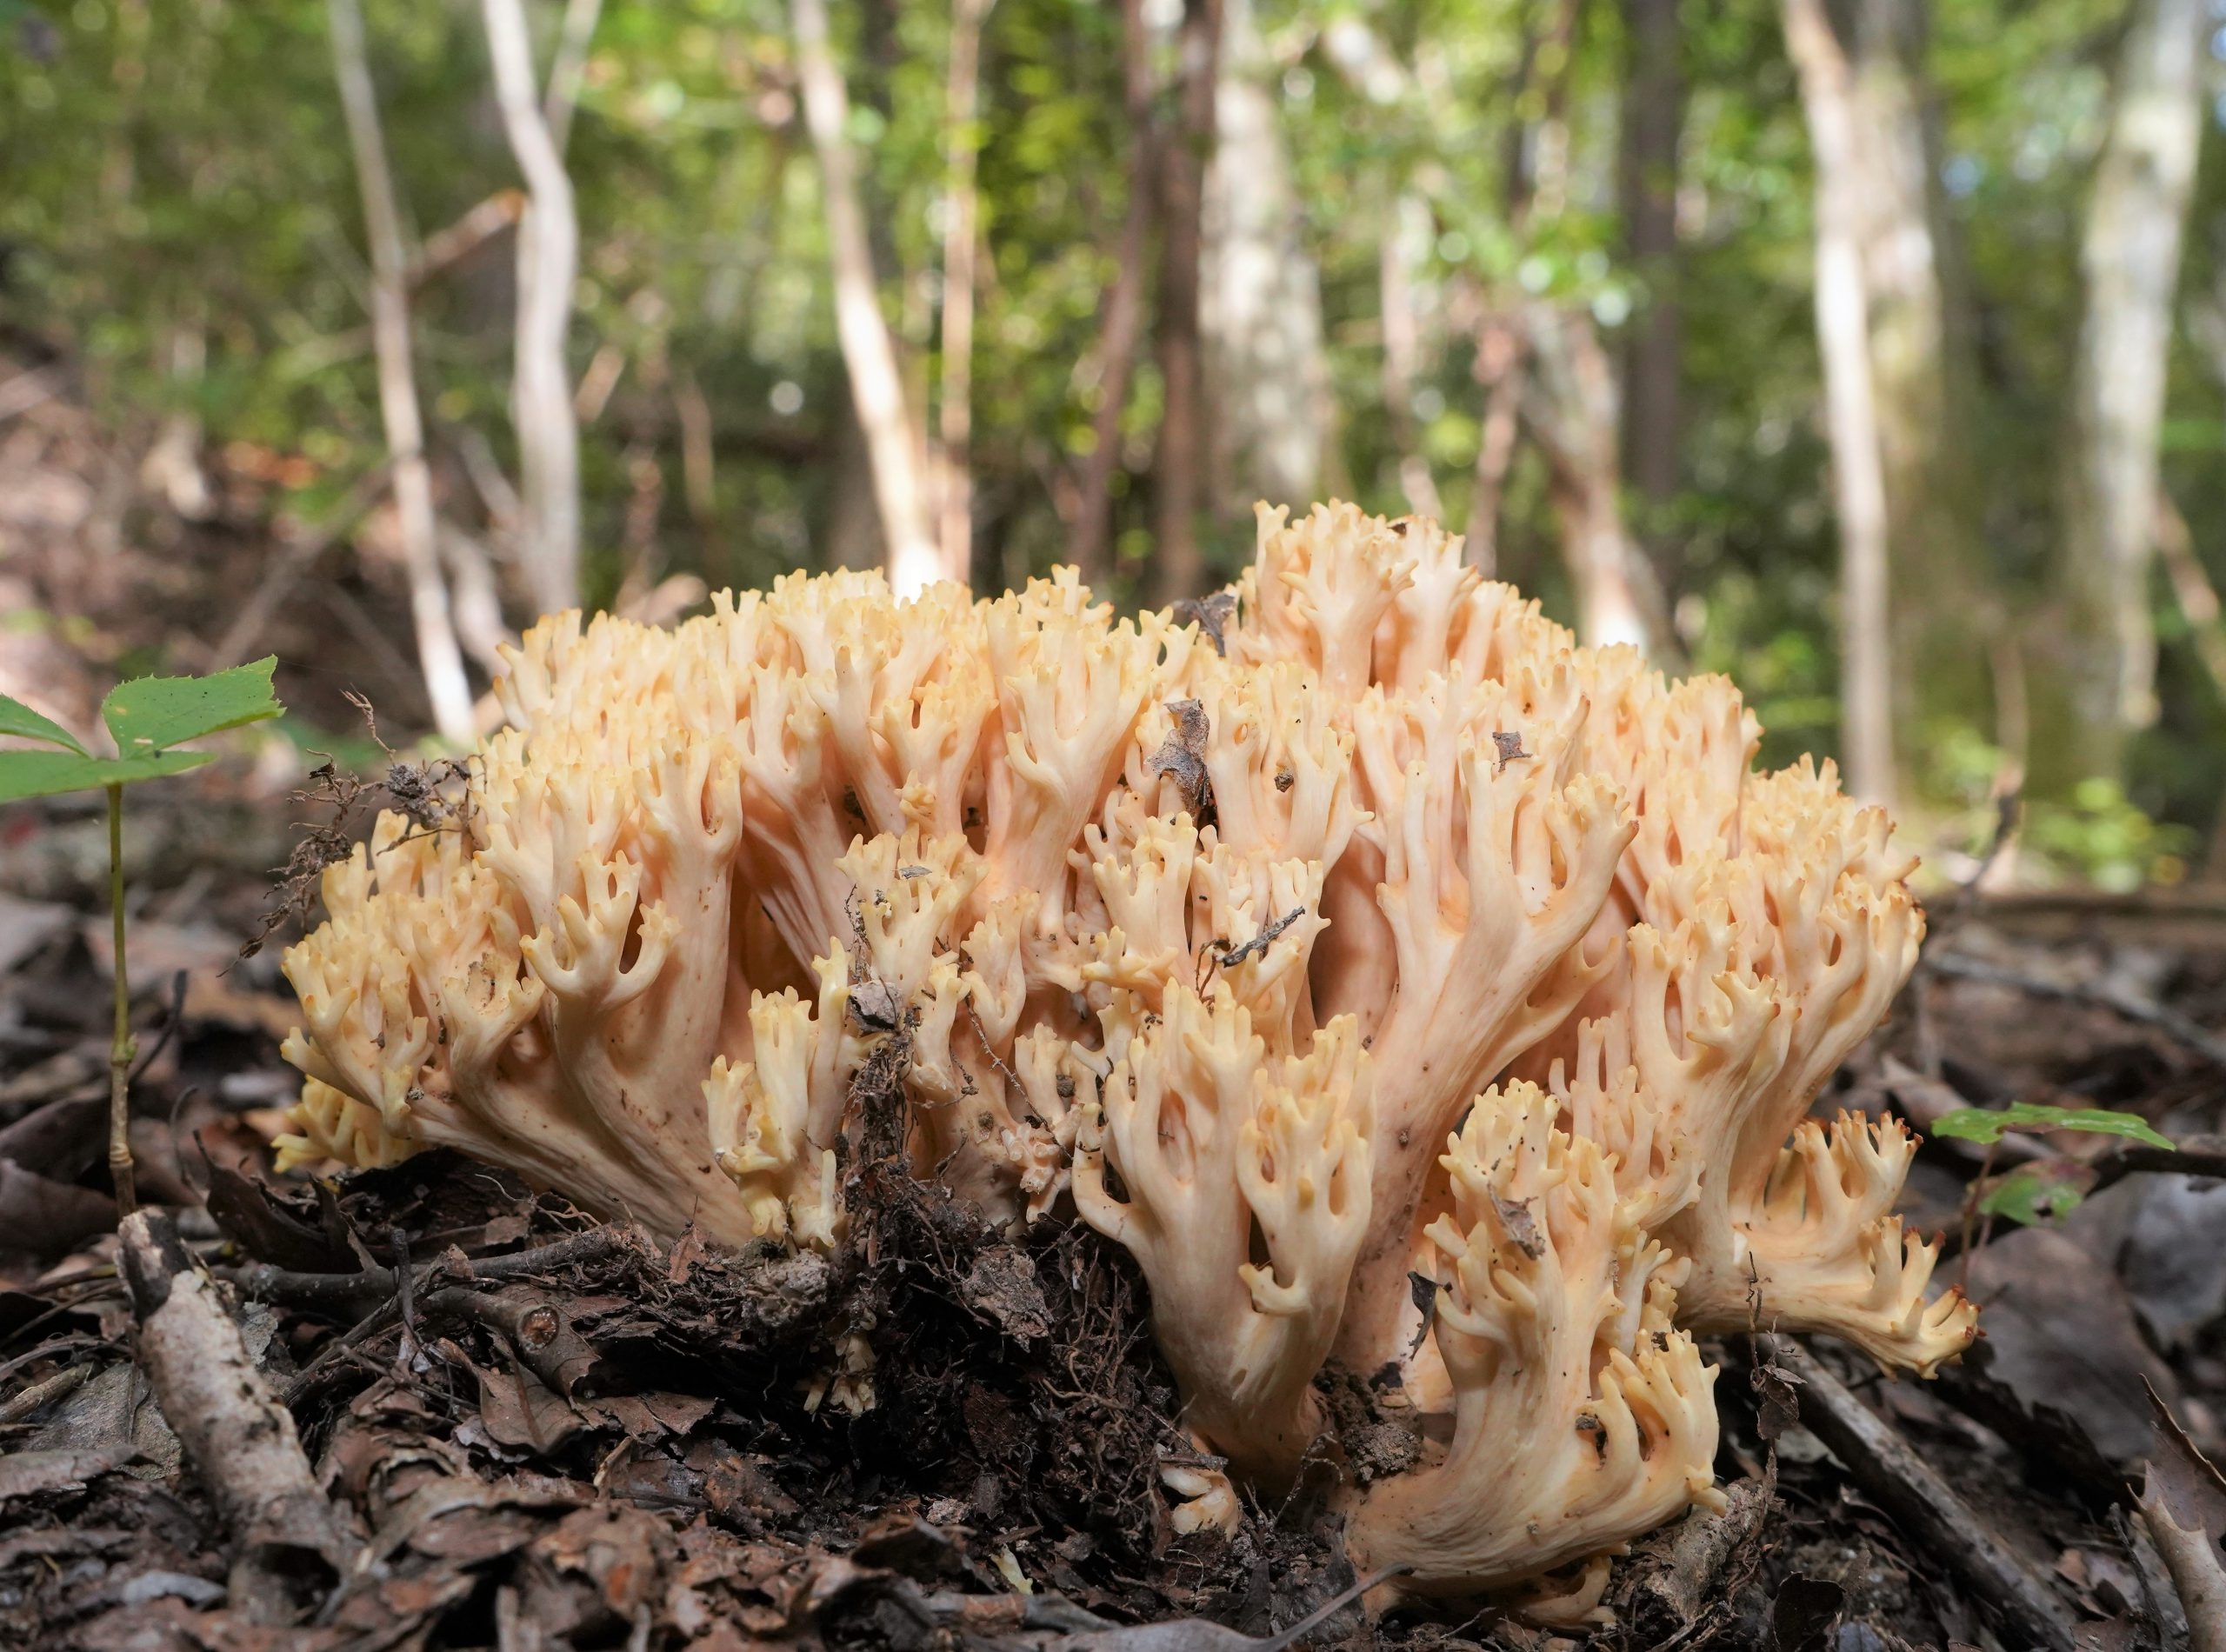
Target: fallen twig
303 1289
268 1283
1913 1492
241 1442
2191 1558
2183 1506
65 1381
1051 1622
2198 1155
2125 1005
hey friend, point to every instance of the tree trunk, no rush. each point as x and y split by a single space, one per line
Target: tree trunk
851 534
439 658
1568 398
2130 260
1944 614
1179 569
961 233
2192 589
1573 410
869 354
1263 303
1843 337
569 69
1405 240
548 261
1498 373
1653 125
1122 327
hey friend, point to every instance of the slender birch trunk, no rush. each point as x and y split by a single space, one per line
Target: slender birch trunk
1653 123
1122 329
439 658
1573 409
1261 312
2130 260
1405 235
1943 613
961 236
1177 474
1843 339
1498 373
2192 589
548 261
569 69
869 354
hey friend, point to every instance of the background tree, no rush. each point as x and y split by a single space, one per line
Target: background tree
438 656
2129 261
1179 473
876 391
1565 259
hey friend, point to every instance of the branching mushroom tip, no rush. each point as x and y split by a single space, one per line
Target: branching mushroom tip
1375 931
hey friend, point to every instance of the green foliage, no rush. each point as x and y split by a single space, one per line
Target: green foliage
155 713
147 716
48 774
2102 836
1988 1125
2033 1194
18 719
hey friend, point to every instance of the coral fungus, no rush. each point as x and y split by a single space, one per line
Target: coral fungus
1381 931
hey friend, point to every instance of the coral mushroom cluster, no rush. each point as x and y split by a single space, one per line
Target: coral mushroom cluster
1363 928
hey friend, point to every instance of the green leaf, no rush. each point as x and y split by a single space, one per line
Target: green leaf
2033 1194
1986 1125
43 774
16 717
155 713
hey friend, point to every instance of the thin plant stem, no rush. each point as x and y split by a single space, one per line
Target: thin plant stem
124 1046
1973 1192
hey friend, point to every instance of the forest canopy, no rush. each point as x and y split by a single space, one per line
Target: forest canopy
1874 353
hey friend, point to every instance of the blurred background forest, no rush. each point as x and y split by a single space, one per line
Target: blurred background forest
1871 351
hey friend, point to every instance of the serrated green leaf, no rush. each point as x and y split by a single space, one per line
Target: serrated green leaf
155 713
45 774
2033 1194
1986 1125
17 718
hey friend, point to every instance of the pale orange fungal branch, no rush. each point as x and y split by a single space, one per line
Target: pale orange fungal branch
1580 1417
331 1124
1827 1253
1214 1136
1321 586
774 1119
1493 870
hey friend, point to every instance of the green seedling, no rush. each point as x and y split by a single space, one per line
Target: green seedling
1987 1125
2045 1191
148 718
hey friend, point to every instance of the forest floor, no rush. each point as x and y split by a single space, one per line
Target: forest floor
566 1434
543 1433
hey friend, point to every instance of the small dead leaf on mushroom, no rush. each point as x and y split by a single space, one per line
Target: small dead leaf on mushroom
1182 757
1211 613
1520 1225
